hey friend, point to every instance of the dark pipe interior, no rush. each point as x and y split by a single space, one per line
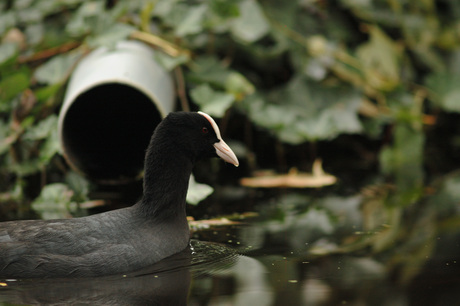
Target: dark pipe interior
107 130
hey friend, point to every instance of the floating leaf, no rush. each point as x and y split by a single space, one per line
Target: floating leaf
196 225
294 179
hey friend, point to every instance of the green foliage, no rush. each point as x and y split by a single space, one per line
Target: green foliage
305 71
309 112
211 101
55 202
197 192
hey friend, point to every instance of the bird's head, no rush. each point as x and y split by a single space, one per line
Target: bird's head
197 134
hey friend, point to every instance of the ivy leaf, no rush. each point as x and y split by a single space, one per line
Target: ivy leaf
57 69
50 147
380 60
170 62
210 70
85 19
197 192
193 21
4 143
79 185
13 85
238 85
215 103
43 129
111 36
303 111
7 20
403 161
224 8
55 202
252 24
8 51
445 87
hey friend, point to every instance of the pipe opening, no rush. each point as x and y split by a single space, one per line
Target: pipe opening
106 132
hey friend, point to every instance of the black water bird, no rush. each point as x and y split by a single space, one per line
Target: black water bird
126 239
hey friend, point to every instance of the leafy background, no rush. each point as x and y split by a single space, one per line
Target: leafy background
369 86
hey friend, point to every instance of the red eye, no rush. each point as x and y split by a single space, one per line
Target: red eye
204 130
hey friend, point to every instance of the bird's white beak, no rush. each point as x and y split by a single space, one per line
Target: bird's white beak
224 152
222 149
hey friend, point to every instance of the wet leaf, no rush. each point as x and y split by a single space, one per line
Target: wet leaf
211 101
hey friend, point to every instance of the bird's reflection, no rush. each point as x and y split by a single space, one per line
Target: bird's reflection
165 283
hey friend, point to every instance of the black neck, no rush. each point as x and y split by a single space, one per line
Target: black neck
166 178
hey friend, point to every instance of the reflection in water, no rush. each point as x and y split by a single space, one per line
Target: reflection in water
165 283
213 274
164 289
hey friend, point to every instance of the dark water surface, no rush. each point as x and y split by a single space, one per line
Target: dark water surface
290 252
214 274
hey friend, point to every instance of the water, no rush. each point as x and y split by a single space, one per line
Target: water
295 248
208 273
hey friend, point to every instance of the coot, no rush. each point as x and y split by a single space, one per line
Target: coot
126 239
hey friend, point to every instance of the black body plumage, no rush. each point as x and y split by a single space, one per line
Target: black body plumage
126 239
